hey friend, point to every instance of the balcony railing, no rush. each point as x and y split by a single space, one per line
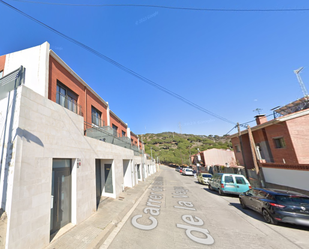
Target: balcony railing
11 81
97 121
68 103
109 135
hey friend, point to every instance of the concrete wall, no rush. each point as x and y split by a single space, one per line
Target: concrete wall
219 157
45 131
35 60
285 177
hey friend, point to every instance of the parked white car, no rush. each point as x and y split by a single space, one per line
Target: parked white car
187 171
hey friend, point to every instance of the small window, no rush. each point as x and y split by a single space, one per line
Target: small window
240 180
66 97
123 133
96 116
237 148
115 128
279 142
1 74
229 179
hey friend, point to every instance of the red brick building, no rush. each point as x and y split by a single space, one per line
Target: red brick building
282 140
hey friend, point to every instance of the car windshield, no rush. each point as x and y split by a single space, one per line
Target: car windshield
290 200
206 175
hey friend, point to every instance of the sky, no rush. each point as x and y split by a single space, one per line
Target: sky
228 63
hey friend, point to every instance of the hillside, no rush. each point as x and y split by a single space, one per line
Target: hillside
176 148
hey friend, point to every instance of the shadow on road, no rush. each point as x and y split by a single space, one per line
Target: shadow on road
217 193
259 217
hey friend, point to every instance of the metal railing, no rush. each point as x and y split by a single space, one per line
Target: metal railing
109 135
68 103
97 121
11 81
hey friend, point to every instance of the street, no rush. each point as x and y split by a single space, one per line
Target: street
178 212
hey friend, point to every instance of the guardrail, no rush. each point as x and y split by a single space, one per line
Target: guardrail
68 103
107 134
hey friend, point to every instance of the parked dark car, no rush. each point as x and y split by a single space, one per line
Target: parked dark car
277 205
177 169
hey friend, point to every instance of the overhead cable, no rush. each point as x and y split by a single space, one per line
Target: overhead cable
122 67
167 7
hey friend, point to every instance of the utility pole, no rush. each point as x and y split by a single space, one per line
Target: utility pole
242 151
253 152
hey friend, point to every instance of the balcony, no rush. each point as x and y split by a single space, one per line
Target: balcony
96 121
109 135
68 103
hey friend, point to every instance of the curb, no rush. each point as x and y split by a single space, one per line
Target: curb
99 240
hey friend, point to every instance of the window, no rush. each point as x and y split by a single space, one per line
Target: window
1 74
96 116
240 180
115 129
123 133
228 179
66 97
279 142
237 148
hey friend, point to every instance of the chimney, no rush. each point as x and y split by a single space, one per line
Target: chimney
260 119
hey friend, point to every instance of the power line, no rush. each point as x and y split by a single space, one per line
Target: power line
230 130
122 67
167 7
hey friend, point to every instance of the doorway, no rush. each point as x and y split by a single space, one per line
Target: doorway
108 172
98 181
61 194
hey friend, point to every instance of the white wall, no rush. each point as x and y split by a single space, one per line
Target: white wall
36 62
45 131
292 178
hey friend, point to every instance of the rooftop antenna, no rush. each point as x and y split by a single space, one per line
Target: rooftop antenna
301 83
258 110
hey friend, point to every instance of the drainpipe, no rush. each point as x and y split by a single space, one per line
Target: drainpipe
108 115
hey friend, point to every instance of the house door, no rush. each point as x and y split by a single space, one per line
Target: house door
98 180
138 172
108 178
61 194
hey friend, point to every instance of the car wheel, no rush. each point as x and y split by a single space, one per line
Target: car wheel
243 205
220 192
268 218
210 187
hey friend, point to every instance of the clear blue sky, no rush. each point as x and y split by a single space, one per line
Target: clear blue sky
229 63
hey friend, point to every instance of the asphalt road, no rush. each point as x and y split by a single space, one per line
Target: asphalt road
178 212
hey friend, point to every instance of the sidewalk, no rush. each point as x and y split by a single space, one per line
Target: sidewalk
92 232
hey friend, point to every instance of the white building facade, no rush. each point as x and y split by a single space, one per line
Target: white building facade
55 166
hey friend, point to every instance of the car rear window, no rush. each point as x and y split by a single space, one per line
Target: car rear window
290 200
229 179
188 169
206 175
240 180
